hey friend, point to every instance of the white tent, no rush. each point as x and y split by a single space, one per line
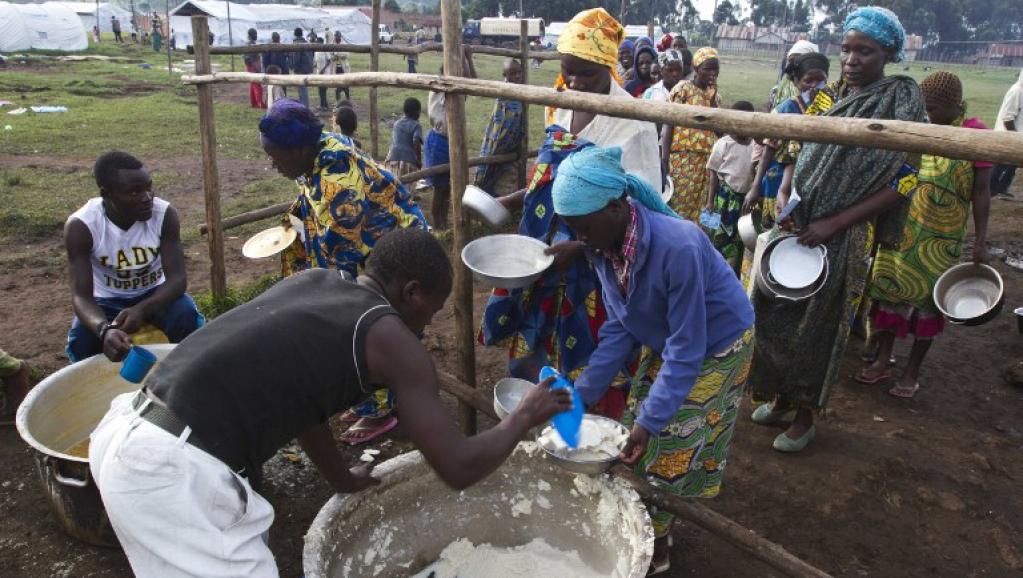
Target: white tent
267 19
86 11
40 26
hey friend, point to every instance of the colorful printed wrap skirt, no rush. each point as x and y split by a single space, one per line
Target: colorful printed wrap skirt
725 238
688 457
688 170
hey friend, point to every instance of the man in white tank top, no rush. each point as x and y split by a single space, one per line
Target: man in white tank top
126 262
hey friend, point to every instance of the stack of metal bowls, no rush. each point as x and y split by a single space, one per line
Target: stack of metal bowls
969 294
809 275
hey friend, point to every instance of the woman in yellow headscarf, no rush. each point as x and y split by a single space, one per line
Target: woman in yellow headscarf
685 150
589 53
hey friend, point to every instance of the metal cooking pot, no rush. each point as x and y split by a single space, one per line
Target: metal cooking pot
969 294
749 227
59 413
766 284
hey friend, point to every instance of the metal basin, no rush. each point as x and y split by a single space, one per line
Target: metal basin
485 206
506 261
749 228
508 393
416 516
584 466
59 414
969 294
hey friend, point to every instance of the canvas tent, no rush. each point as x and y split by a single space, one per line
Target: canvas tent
267 19
86 11
40 26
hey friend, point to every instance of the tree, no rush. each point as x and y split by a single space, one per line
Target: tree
768 13
725 13
802 16
392 6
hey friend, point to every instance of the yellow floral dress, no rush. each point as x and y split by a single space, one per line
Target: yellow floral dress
690 149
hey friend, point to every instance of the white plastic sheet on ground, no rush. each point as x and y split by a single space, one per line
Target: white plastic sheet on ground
40 26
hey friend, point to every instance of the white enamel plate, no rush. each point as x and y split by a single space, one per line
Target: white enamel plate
796 266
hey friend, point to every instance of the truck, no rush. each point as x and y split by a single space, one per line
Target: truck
498 31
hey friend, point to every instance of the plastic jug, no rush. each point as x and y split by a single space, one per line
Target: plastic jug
565 423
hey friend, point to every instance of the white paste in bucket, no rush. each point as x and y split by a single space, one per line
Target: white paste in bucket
463 559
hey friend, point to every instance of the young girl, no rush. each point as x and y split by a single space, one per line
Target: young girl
729 172
685 150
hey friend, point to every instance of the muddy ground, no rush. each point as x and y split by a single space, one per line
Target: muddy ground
928 487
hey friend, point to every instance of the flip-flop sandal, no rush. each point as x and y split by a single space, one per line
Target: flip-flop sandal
349 416
351 438
865 379
904 392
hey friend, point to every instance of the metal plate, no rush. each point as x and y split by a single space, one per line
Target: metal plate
269 242
795 266
506 261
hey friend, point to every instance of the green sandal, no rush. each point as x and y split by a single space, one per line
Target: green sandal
785 444
766 415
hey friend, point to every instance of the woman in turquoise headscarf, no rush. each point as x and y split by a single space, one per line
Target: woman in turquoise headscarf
799 346
667 289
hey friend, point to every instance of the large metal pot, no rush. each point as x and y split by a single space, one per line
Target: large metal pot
401 526
57 415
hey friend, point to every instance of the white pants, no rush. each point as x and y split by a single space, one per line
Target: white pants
176 510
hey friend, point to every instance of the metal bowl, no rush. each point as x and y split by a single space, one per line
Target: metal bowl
589 467
485 206
969 294
749 228
508 393
506 261
766 284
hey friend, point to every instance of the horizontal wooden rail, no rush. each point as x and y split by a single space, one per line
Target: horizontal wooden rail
690 510
274 210
389 49
958 143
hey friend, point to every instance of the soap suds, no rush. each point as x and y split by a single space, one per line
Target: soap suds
463 559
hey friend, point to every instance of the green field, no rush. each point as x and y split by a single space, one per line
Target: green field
147 111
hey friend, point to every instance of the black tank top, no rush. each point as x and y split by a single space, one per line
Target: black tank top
261 374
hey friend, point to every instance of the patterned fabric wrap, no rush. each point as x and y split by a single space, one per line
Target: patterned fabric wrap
376 406
831 178
690 149
557 318
436 152
882 25
593 35
349 202
933 236
688 457
703 55
503 135
725 238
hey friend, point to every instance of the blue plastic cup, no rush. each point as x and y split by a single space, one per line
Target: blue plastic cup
137 364
566 423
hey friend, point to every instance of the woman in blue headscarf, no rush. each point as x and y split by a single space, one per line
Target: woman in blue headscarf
666 288
843 191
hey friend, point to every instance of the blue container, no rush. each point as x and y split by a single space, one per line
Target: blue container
565 423
137 364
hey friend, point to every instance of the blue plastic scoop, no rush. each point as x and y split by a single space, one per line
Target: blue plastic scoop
567 422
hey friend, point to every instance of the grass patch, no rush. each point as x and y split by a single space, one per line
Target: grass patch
213 308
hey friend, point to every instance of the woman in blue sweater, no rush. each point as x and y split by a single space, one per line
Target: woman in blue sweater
666 288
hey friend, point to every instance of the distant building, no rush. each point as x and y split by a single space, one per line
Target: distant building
742 38
1004 54
914 44
428 23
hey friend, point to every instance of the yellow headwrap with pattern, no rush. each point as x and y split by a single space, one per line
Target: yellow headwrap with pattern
703 55
593 35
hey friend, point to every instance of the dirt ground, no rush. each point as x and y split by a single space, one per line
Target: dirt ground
928 487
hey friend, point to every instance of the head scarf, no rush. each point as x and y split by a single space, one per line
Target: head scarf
290 125
811 61
802 47
944 88
703 55
882 25
595 36
593 177
627 45
643 48
665 42
671 55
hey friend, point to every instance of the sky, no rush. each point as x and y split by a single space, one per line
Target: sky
706 8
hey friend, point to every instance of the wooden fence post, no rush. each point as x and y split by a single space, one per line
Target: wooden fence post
523 164
451 19
210 178
374 65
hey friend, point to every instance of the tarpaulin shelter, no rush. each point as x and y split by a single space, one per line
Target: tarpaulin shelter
86 12
40 26
267 19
